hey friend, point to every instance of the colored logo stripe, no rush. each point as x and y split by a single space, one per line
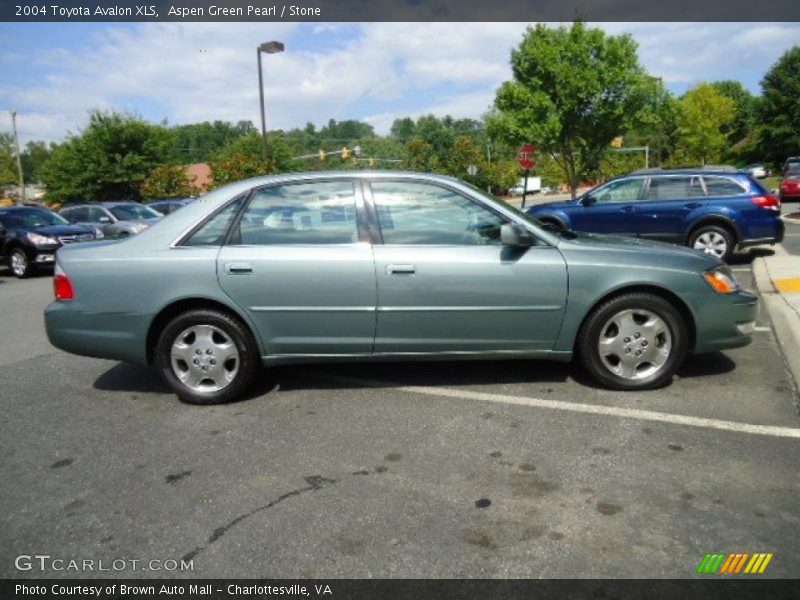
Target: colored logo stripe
724 563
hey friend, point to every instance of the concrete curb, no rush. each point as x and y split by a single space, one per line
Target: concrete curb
785 321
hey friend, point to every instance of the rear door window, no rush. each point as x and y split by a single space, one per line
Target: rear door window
674 188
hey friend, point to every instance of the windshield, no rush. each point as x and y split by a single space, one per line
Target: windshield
133 212
31 217
565 233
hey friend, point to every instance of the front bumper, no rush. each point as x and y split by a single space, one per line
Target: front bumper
728 322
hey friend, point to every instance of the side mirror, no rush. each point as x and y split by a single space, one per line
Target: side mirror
514 235
588 200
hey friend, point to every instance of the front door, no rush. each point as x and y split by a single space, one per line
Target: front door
296 263
609 209
446 283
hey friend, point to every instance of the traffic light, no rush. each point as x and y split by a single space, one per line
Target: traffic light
617 142
345 153
371 162
322 154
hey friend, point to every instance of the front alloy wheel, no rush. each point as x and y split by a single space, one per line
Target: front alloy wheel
634 341
207 356
18 261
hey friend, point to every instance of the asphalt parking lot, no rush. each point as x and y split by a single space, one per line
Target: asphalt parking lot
447 469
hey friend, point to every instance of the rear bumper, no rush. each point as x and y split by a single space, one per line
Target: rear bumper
775 237
727 323
115 336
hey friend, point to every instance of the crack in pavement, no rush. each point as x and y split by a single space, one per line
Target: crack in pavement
315 482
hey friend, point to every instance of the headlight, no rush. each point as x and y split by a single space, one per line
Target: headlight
41 240
721 280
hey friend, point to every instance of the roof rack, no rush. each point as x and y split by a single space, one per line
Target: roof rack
717 168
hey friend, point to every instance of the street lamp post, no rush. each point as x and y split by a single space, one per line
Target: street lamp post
266 48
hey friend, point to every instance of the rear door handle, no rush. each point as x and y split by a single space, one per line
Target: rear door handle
692 205
628 209
238 268
400 269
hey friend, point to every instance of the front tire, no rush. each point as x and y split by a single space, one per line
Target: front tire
633 342
207 357
19 264
714 240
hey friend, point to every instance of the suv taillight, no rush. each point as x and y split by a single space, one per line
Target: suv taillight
62 286
768 201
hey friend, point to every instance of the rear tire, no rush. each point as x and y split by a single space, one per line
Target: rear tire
633 342
714 240
207 357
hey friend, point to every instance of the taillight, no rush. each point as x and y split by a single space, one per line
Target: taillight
62 286
769 201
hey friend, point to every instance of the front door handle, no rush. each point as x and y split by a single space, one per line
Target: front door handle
628 209
238 268
692 205
400 269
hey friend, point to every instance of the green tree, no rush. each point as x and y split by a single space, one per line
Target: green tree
33 157
109 160
8 165
779 109
744 109
573 90
704 116
167 181
199 142
403 129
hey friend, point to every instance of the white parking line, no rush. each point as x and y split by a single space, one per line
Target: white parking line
762 328
592 409
740 269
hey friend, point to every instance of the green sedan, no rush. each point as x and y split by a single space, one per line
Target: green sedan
331 266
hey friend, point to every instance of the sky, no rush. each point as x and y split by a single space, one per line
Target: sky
52 74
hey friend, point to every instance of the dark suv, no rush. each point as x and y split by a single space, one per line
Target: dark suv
30 236
710 210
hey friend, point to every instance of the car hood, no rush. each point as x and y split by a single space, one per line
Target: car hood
662 251
137 222
62 230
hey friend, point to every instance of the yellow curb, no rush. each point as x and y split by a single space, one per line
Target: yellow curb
786 286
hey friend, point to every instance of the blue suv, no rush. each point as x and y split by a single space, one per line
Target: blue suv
711 210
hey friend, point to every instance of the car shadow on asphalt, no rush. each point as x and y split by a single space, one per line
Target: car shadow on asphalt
124 377
749 255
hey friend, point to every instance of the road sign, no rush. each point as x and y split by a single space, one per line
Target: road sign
525 156
472 170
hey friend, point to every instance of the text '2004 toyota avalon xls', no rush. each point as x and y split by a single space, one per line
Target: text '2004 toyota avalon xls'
384 266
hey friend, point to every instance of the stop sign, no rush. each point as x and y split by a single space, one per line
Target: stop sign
525 156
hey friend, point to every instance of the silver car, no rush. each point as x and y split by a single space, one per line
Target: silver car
384 266
114 219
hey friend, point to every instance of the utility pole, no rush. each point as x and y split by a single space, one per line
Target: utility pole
21 198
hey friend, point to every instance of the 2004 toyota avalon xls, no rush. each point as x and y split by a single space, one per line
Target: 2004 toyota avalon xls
384 265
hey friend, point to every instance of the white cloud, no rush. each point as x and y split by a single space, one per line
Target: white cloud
206 71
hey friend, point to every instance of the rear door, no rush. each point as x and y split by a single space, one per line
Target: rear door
668 201
446 283
298 261
610 208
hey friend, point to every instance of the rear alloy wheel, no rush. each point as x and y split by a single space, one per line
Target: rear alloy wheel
207 357
20 266
713 240
636 341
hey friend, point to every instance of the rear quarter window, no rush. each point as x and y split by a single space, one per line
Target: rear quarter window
723 186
